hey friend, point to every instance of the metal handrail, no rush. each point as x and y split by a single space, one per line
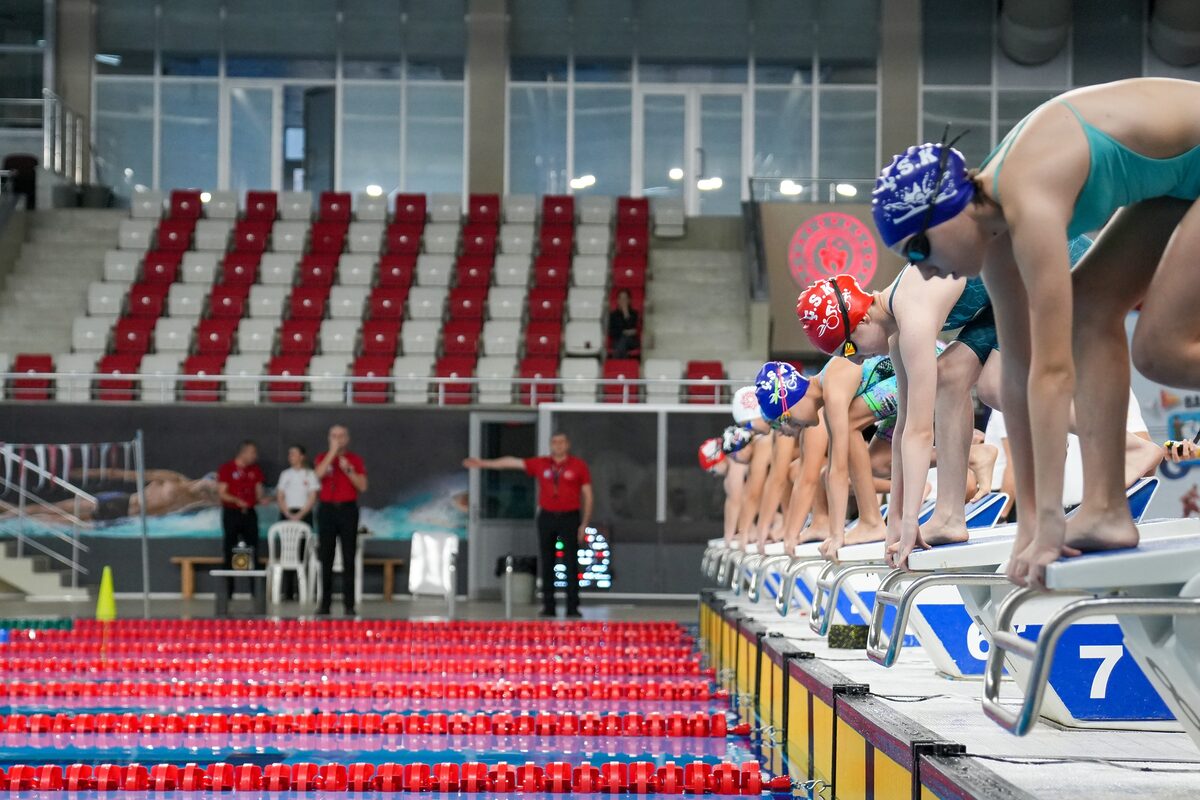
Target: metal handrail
75 567
10 455
797 189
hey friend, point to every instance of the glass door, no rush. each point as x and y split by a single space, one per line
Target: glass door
252 138
691 147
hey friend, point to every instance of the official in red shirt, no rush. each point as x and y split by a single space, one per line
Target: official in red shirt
343 477
240 487
564 511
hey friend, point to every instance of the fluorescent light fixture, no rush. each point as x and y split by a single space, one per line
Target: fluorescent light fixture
374 190
846 190
205 197
709 184
675 174
108 59
790 187
583 181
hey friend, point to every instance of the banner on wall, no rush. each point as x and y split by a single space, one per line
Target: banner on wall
413 461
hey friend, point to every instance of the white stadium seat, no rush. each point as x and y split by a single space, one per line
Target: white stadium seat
221 205
583 338
594 209
426 303
121 266
186 300
146 205
501 337
199 268
591 271
173 334
136 234
495 374
655 369
106 298
256 336
346 302
668 216
159 390
585 304
244 390
295 206
277 269
516 238
593 240
445 208
441 238
90 334
74 390
419 337
339 336
512 270
411 374
506 303
520 208
365 237
579 379
434 270
743 371
370 209
212 234
356 269
328 366
289 237
267 302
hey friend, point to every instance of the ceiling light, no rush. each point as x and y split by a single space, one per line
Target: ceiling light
583 182
205 197
675 174
790 187
374 190
846 190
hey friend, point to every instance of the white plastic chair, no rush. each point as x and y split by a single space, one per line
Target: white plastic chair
433 565
285 540
314 568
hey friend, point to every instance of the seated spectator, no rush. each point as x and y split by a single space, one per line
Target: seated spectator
623 321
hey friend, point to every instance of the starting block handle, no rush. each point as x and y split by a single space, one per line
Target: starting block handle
787 585
723 566
733 573
883 647
706 561
759 576
829 588
740 579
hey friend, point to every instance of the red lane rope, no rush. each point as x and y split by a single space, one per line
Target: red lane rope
472 777
651 725
216 647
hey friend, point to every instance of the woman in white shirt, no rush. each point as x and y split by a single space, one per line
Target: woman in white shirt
296 492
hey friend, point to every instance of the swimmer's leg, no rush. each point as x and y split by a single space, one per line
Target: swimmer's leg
958 369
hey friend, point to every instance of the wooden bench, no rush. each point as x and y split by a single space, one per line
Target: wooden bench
188 564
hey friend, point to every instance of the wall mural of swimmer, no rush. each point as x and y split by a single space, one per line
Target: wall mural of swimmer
416 483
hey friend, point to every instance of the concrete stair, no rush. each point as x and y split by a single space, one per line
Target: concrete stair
699 304
37 576
47 288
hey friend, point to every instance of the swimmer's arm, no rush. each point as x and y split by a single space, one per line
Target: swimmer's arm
760 462
735 486
773 491
815 441
841 381
915 360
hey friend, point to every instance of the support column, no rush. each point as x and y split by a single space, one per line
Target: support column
74 49
900 76
487 76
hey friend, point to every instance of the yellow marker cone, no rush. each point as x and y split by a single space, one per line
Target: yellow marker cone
106 605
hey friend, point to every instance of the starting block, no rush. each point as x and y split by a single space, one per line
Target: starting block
1152 590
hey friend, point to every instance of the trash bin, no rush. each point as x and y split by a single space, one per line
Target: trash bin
523 581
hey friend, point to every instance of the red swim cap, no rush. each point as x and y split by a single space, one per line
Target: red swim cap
711 454
821 316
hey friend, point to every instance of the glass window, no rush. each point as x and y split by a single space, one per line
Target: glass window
537 140
962 110
372 39
848 41
603 124
125 34
847 134
435 38
1012 106
602 38
957 38
191 37
188 152
433 159
251 135
21 22
1106 41
370 137
664 132
124 131
21 76
260 42
539 40
783 133
720 181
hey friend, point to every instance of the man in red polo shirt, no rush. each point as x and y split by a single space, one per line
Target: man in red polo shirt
240 487
564 511
343 477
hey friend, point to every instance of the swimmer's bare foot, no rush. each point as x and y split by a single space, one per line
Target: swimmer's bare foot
818 531
982 463
862 532
940 529
1089 530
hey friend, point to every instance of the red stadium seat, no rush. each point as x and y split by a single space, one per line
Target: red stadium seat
286 391
214 337
120 390
397 271
328 237
474 271
308 303
318 271
367 366
131 335
380 338
298 337
251 235
454 367
557 239
552 271
261 207
240 269
410 208
403 238
632 241
30 388
629 272
704 370
546 305
543 339
228 302
199 391
161 266
479 240
387 303
334 207
633 212
484 208
468 302
186 204
175 234
558 209
621 369
461 338
147 299
529 390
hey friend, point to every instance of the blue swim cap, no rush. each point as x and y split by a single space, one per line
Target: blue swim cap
905 188
779 386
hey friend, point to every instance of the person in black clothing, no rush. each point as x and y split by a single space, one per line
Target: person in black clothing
623 327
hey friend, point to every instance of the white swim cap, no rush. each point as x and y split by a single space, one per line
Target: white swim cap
745 405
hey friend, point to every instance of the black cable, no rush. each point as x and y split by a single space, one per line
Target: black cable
909 698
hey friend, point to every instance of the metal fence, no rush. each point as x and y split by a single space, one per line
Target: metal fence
66 146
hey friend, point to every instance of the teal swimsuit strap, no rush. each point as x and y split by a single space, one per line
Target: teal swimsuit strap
895 286
1003 149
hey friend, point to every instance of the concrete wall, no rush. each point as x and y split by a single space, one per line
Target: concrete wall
487 73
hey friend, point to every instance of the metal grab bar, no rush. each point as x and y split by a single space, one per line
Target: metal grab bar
783 600
723 565
22 539
1040 653
829 586
759 576
740 578
884 647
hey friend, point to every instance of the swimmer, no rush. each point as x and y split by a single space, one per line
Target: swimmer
732 472
1121 156
166 492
